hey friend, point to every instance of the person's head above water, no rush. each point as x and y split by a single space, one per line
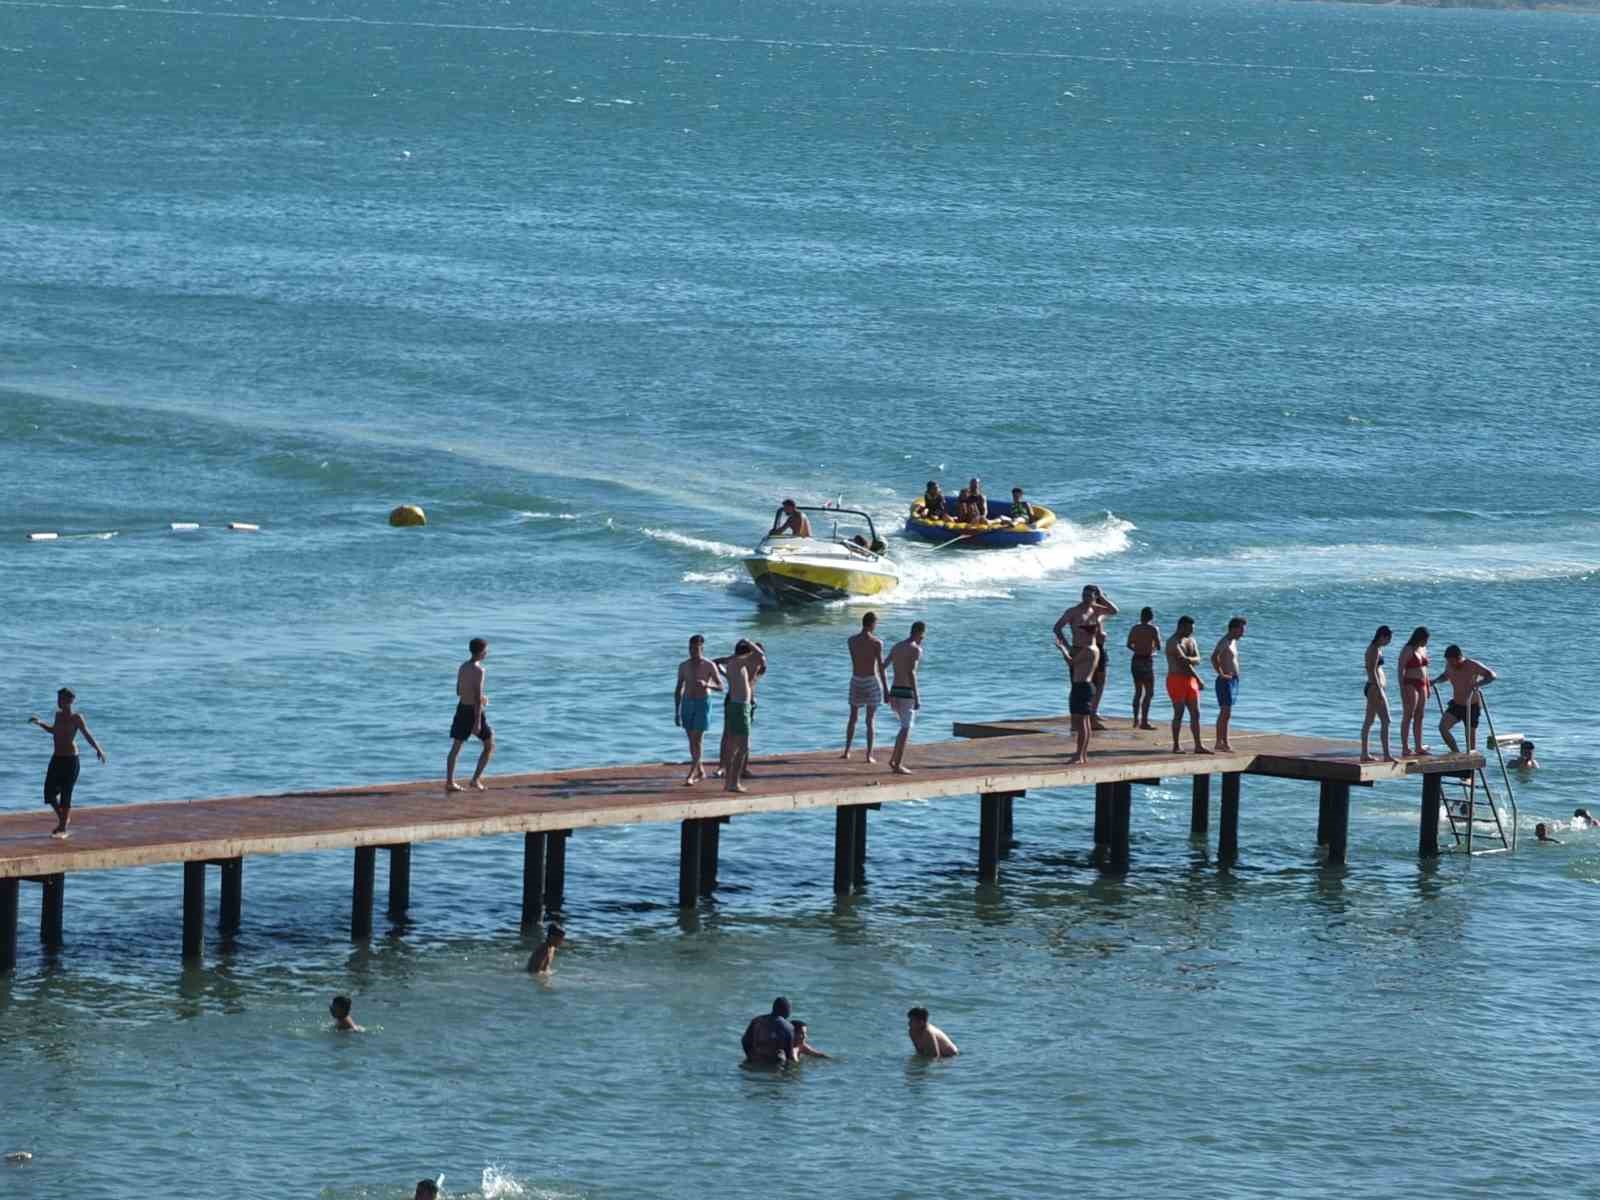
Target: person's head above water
339 1008
1540 832
1526 750
780 1007
427 1189
800 1028
917 1016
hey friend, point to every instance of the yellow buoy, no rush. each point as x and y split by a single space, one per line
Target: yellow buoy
407 515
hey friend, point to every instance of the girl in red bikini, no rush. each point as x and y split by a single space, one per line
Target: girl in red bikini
1413 691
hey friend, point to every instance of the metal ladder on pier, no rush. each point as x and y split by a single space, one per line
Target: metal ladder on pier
1474 811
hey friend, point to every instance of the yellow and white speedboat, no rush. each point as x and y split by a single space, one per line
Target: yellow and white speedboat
846 561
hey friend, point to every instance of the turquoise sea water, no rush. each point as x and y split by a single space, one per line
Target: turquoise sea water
1287 310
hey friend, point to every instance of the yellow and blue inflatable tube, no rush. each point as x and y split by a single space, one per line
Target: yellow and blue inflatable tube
941 529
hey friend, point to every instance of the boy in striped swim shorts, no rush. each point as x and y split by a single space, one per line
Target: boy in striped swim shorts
866 681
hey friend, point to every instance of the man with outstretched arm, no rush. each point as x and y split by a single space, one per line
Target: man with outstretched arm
867 681
1466 676
1086 620
905 697
1184 684
698 677
61 776
472 697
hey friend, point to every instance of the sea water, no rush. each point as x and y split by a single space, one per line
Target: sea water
1287 310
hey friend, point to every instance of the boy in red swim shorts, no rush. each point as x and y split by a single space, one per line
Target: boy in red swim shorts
1184 683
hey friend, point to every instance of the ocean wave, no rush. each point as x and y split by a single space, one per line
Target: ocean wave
689 542
1391 563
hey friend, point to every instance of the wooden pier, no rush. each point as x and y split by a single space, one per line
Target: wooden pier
996 761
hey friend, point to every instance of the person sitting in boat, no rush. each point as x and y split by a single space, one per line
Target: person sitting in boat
791 522
933 505
964 509
1021 510
980 502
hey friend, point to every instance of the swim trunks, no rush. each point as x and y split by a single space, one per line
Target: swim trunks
461 727
1181 688
1227 691
1144 667
904 703
695 713
1081 701
1459 711
60 777
865 691
736 718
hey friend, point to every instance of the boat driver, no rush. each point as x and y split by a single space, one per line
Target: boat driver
791 522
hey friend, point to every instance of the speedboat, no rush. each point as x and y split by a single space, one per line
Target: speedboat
998 530
847 561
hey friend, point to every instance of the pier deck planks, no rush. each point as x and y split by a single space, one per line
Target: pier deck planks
1003 756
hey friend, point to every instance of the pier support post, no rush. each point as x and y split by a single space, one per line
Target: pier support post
1121 819
532 880
1200 807
1008 839
51 911
1428 831
399 878
844 849
710 851
858 872
689 862
555 869
9 889
194 910
231 915
361 890
1336 802
1228 833
989 836
1322 814
1102 821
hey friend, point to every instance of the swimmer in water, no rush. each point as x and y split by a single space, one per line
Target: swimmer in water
803 1048
339 1010
1580 816
770 1038
62 774
1543 834
427 1189
543 960
930 1041
1525 760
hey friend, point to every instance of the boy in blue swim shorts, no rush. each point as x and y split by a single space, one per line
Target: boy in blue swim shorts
698 677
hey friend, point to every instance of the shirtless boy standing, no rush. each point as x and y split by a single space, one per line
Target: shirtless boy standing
1225 662
867 681
930 1041
1081 663
61 776
698 677
1087 619
1184 684
1144 639
1466 676
470 720
747 662
905 697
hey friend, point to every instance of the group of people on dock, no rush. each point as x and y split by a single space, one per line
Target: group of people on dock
971 506
1466 677
1080 636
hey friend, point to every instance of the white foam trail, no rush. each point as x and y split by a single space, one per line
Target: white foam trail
720 549
721 578
956 573
1385 563
523 515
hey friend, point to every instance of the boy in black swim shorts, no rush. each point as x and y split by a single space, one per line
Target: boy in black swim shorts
61 776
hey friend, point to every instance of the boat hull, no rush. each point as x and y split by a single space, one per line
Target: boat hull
790 583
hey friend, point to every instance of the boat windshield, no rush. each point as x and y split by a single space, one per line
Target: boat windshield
847 526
